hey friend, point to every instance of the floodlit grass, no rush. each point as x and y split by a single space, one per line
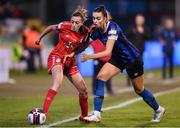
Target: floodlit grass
16 100
14 112
138 115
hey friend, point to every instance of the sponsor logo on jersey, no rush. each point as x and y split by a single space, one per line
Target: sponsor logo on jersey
67 36
112 32
58 60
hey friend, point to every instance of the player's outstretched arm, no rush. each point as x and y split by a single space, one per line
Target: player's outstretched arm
106 52
45 32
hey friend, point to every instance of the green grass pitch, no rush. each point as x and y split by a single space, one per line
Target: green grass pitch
16 100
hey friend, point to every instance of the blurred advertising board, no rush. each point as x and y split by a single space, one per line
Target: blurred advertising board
4 65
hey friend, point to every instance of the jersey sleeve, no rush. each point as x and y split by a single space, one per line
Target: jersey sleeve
113 31
65 25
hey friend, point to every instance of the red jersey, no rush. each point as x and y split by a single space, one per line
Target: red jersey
68 41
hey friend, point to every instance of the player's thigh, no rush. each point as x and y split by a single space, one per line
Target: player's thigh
107 71
78 81
54 60
57 74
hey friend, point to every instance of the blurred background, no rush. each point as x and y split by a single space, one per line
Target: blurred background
23 66
17 15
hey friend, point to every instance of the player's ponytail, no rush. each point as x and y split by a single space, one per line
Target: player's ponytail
101 9
81 12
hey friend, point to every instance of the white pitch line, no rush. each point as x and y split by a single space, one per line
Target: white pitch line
61 122
126 103
121 105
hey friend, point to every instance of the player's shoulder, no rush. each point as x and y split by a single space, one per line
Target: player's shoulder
113 28
65 25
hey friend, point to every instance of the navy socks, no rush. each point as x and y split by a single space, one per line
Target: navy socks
99 95
149 99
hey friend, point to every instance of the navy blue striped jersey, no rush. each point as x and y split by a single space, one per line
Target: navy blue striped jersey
123 50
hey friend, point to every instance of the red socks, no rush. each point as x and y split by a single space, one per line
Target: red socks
83 101
49 98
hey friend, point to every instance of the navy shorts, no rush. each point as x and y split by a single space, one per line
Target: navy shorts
133 69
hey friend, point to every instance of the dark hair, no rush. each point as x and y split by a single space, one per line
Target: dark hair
81 12
83 29
101 9
139 14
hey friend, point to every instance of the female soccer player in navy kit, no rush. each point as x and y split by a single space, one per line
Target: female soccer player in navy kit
71 36
124 56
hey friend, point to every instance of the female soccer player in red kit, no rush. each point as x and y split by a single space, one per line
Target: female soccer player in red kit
71 35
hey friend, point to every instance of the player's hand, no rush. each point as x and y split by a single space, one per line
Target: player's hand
38 42
84 57
66 56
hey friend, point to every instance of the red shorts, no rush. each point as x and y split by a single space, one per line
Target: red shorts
69 68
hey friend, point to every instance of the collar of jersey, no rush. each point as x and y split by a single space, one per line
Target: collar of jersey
106 27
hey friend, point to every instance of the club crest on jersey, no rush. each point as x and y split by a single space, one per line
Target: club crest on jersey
58 60
112 32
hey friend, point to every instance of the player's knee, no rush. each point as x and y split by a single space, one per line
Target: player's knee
138 90
83 92
102 76
82 87
80 83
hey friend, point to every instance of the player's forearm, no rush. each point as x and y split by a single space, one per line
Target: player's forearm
106 52
99 55
47 30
